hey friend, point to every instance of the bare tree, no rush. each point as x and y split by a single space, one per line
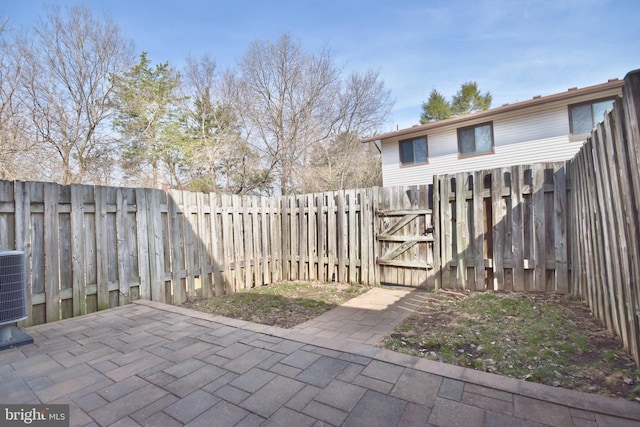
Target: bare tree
344 162
8 86
364 103
16 154
285 101
294 105
69 61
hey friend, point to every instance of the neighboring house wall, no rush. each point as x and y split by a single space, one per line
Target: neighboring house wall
528 132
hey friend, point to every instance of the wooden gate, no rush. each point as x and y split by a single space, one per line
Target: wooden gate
404 236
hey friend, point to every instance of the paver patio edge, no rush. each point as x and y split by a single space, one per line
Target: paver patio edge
555 395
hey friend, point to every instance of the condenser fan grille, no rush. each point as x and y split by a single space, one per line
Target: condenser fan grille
13 299
12 287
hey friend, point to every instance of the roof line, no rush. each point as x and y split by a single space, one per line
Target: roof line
537 100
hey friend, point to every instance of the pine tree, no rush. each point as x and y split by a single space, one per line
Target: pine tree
467 100
146 99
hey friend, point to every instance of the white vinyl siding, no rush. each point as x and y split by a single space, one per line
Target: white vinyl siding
539 134
544 150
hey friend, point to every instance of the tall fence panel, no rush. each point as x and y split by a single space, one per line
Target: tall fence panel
503 229
81 243
606 222
328 236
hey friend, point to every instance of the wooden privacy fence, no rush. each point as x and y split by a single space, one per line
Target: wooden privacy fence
605 206
503 229
89 247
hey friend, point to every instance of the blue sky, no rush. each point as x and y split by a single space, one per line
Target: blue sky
515 49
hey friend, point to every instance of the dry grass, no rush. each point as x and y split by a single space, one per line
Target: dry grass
549 339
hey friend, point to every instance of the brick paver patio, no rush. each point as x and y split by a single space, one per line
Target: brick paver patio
158 365
368 318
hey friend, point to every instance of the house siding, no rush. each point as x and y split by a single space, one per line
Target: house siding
543 150
524 136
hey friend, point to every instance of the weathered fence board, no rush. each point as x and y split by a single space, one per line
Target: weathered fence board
78 251
517 228
51 250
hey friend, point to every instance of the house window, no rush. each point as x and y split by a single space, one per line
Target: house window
476 139
413 151
583 118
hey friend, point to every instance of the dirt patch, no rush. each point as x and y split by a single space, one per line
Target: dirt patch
549 339
285 304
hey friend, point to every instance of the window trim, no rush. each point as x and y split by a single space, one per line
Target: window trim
476 154
582 136
413 140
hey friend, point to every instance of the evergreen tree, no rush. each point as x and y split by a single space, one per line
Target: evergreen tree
146 99
436 108
467 100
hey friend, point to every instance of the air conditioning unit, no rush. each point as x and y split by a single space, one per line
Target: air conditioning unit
13 298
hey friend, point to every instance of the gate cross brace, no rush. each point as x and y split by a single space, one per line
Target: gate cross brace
398 225
399 250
